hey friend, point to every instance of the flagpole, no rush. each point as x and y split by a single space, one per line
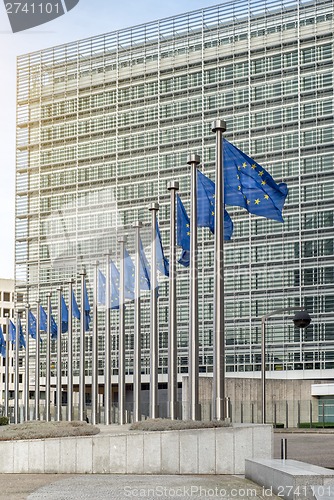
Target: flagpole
70 354
37 361
107 358
121 340
48 360
95 375
193 160
82 349
173 186
26 368
154 336
219 393
16 373
7 367
59 367
137 331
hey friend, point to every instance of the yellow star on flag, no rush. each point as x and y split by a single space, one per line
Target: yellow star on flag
257 201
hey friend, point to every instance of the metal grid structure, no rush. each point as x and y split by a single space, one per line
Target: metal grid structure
104 123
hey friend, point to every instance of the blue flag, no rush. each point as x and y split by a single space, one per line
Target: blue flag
114 287
54 329
75 308
250 186
183 232
87 308
101 288
206 206
32 329
64 316
22 340
129 276
145 283
43 319
12 334
162 262
2 344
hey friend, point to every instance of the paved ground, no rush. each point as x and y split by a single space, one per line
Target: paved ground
121 487
312 448
316 448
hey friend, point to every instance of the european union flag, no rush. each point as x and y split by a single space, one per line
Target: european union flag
162 262
183 232
32 329
22 340
2 344
64 316
114 286
250 186
206 206
75 308
145 283
101 288
12 334
54 329
129 276
43 319
87 308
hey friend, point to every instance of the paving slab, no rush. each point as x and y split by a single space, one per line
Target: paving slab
121 487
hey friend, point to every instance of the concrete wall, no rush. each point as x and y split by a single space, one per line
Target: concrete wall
201 451
282 396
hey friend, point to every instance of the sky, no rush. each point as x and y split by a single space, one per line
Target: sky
87 18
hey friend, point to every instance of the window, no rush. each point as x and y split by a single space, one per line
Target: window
6 296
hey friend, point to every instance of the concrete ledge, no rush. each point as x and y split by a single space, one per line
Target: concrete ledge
220 450
290 479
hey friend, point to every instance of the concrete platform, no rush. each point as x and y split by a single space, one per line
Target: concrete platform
118 450
290 479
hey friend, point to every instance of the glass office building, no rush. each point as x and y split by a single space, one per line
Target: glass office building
104 123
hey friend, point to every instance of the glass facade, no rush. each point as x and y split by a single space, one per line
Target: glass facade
104 123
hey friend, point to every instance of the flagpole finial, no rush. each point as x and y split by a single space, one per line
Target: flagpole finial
48 294
173 185
137 224
154 206
193 159
59 288
218 125
83 271
122 239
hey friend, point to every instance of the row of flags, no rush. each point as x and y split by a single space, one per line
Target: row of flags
246 184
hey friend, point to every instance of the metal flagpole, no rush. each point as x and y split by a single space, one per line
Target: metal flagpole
59 367
70 354
193 160
137 331
107 357
95 375
26 368
121 340
7 367
48 361
173 186
154 336
82 388
16 373
220 411
37 362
